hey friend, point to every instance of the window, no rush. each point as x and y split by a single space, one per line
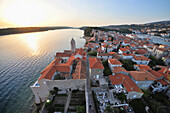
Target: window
97 76
134 96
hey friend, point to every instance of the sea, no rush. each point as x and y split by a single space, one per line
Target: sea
22 58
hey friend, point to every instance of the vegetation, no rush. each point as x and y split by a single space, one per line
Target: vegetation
106 70
92 41
80 109
88 30
121 96
128 64
92 53
155 61
158 102
138 105
54 91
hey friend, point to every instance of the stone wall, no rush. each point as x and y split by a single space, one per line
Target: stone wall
94 72
67 84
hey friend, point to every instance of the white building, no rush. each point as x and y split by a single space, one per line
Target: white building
141 60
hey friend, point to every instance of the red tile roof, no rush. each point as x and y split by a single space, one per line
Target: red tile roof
49 71
126 81
142 75
95 63
163 82
56 61
141 51
141 58
123 49
125 54
104 54
118 69
114 61
62 55
80 51
63 68
80 71
156 74
143 67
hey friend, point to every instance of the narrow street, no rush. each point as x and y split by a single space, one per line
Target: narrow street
90 97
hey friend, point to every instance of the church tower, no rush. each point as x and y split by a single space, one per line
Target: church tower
73 45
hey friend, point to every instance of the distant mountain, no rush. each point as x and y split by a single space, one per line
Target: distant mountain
160 22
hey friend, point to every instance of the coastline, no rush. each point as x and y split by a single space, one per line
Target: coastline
9 31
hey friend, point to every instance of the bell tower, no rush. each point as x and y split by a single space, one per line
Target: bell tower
73 45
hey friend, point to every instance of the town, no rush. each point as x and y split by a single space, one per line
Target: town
113 73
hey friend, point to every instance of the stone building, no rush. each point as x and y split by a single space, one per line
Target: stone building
73 45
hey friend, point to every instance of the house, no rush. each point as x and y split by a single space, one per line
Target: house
166 59
104 56
123 83
92 46
157 75
80 71
99 50
125 43
164 46
115 55
160 52
123 50
114 63
64 56
141 60
103 47
119 69
160 85
80 53
133 46
127 56
96 68
141 52
141 67
165 71
143 78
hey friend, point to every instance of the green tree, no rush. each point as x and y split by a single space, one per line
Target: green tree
80 109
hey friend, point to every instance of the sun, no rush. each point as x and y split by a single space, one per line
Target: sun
25 12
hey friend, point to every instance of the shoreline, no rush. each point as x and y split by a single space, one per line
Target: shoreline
10 31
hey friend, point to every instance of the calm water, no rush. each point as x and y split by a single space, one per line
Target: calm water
22 58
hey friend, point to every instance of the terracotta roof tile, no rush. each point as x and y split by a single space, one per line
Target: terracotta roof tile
123 49
118 69
80 71
156 74
163 82
143 67
114 62
62 55
95 63
141 58
142 75
126 81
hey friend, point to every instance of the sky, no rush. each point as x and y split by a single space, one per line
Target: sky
76 13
